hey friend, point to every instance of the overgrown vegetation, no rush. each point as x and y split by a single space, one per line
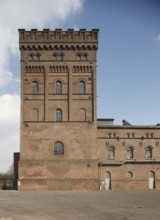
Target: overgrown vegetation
6 179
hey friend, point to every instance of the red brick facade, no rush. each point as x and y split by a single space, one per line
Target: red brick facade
63 145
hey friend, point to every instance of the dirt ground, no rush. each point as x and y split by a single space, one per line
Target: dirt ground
72 205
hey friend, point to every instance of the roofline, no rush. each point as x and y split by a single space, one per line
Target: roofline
128 127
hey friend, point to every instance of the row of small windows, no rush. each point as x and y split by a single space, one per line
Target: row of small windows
124 143
82 69
58 57
58 69
58 117
58 87
58 114
130 152
34 69
81 56
34 57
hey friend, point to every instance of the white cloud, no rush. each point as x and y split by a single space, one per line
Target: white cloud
28 14
9 129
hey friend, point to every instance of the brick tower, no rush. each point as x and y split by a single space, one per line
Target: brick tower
58 110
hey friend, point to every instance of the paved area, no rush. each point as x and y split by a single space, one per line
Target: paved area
66 205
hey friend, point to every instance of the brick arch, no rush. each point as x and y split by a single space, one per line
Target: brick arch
35 114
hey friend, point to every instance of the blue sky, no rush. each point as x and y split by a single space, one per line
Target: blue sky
128 70
128 61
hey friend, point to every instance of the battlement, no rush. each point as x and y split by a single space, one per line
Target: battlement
58 36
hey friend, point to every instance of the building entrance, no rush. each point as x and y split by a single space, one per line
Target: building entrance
107 180
151 180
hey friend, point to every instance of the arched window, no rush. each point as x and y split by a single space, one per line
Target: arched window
82 114
37 57
35 87
82 87
129 153
148 153
58 87
111 153
61 57
35 114
130 174
58 114
54 57
31 57
58 148
78 57
85 57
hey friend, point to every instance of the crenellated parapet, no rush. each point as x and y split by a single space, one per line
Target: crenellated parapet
69 39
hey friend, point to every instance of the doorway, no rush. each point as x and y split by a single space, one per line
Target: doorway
151 180
107 180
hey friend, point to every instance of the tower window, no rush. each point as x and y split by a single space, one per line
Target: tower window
129 153
35 87
61 57
58 115
31 57
54 57
85 57
148 153
82 87
111 153
58 87
58 148
37 57
78 57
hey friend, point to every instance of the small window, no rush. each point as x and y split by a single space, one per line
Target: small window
111 153
37 57
61 57
55 57
78 57
82 87
58 87
35 87
148 153
58 148
85 57
152 135
31 57
130 174
129 153
58 115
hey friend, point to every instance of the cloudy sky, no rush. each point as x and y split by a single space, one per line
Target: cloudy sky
128 65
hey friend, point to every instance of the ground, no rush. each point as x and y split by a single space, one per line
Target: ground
73 205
